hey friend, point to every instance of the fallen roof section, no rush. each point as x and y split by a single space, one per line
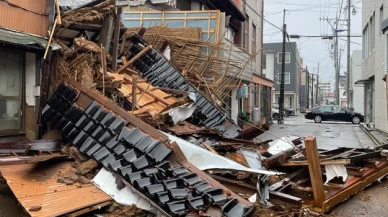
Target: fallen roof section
157 70
138 154
37 185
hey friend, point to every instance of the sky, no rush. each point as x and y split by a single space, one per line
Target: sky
308 17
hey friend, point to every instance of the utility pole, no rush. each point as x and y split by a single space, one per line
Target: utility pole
307 89
281 98
337 69
316 93
348 103
312 89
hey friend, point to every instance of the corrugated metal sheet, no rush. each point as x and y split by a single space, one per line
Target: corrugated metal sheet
23 20
36 184
21 38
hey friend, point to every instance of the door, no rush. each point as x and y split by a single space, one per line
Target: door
327 112
341 114
10 92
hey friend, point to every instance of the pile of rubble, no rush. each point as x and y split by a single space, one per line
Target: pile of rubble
145 126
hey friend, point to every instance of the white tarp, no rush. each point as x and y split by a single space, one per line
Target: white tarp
183 112
106 181
206 160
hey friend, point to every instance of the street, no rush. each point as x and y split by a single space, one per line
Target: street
330 135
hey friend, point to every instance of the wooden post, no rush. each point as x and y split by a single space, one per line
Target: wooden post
136 57
134 91
315 171
106 32
116 39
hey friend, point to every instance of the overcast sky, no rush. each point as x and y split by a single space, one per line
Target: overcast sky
303 18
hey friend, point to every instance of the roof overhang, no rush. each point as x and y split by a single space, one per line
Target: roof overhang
363 81
229 8
12 37
384 25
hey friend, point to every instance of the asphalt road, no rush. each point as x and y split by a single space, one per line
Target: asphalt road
330 135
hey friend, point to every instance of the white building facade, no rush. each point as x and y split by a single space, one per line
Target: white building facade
373 64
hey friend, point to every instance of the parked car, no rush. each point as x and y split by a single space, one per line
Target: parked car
287 111
275 114
333 113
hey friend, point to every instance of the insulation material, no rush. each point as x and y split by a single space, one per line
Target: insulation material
206 160
105 181
336 170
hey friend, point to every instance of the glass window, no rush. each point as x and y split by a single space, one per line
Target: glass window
287 57
10 90
326 108
264 61
339 109
287 78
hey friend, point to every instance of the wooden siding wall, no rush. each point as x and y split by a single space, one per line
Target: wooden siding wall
24 15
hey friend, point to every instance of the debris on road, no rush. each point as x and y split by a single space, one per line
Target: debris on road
145 127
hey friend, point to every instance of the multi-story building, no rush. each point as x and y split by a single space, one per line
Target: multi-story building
292 73
23 27
325 86
374 61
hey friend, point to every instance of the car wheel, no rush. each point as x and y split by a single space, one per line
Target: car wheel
318 119
356 120
287 114
275 116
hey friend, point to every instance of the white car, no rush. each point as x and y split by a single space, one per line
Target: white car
275 114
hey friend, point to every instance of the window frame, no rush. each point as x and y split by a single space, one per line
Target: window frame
286 62
285 73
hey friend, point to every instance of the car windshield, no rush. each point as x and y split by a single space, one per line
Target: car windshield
275 106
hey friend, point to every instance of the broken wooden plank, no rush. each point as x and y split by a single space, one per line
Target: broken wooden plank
134 92
315 171
278 159
305 163
58 12
136 57
90 208
27 149
209 148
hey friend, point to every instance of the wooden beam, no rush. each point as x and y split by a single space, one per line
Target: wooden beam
90 208
305 163
315 171
210 148
58 12
150 93
136 57
134 92
27 149
116 38
50 39
106 33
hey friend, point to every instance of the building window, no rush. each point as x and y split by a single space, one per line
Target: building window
381 17
365 39
264 61
254 41
287 78
372 31
287 57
